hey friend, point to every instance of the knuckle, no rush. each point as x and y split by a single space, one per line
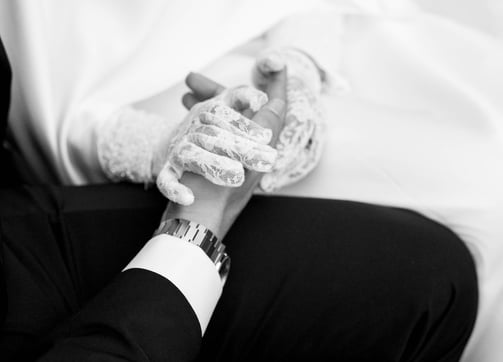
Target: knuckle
208 130
206 117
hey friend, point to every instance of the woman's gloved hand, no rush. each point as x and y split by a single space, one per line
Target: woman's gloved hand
214 140
217 207
217 142
300 142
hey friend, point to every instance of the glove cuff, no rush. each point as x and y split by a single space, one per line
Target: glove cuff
128 142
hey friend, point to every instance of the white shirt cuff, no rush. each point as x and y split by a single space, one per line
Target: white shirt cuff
188 268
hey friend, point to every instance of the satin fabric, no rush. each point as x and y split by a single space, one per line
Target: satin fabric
76 63
420 126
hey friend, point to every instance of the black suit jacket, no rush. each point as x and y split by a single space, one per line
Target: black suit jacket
5 81
139 316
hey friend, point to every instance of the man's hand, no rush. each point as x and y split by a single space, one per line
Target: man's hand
216 142
215 206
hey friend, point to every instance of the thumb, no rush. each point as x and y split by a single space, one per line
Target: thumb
272 114
169 185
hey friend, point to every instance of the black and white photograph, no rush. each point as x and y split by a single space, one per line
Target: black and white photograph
251 180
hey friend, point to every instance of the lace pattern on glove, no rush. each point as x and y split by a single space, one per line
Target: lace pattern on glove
217 142
300 143
127 142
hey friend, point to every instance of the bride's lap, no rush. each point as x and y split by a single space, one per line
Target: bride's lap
310 279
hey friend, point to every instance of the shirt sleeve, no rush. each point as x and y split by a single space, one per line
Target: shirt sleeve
187 267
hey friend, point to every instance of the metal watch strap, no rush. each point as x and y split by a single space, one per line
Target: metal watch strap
198 235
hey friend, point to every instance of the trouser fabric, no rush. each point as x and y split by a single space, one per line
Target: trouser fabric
311 279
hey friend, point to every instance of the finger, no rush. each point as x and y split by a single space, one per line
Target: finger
189 100
254 156
300 165
266 65
203 87
277 86
248 113
167 182
272 115
228 119
244 98
217 169
270 62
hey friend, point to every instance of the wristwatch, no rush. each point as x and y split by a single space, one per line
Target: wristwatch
199 235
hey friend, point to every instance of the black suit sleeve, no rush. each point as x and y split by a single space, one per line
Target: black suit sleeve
140 316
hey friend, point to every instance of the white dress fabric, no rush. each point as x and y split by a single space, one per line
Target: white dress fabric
77 62
421 126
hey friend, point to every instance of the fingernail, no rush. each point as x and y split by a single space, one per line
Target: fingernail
206 117
272 63
191 75
277 106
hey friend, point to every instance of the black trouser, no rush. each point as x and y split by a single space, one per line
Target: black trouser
310 279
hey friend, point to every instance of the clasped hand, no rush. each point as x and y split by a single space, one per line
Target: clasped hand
220 138
215 206
217 142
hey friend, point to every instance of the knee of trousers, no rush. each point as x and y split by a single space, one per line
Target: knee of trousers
324 275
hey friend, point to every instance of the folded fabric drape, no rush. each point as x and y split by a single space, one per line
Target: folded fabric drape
420 127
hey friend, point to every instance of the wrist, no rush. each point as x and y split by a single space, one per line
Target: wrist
207 209
211 218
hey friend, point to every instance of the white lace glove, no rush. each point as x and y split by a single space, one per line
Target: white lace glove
300 142
214 140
